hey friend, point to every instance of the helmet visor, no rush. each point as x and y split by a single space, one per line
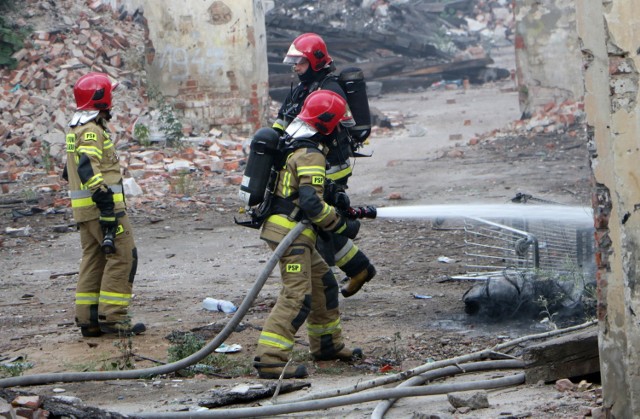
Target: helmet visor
293 59
300 129
347 119
114 84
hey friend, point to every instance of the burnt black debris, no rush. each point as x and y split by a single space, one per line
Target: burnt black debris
402 46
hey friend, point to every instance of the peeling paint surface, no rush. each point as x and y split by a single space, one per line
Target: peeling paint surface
195 45
549 58
609 31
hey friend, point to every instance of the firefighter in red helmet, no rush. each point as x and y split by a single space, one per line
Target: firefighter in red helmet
109 254
309 288
314 66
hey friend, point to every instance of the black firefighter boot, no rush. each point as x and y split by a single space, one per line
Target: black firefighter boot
92 331
275 370
356 282
123 329
345 354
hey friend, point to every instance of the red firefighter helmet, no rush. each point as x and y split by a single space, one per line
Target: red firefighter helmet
323 110
93 92
311 47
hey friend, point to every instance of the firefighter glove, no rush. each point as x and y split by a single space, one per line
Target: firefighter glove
103 198
342 201
108 221
351 228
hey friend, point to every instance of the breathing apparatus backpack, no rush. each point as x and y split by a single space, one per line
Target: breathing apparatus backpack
267 156
260 175
352 82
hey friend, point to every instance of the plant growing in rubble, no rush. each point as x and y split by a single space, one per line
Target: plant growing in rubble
30 194
546 311
183 184
11 37
170 125
14 369
47 160
222 364
141 134
125 358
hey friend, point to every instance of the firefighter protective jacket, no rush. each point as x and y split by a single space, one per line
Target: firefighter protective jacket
92 164
340 148
301 181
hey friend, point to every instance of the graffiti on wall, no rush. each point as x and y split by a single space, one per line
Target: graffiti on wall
219 13
182 63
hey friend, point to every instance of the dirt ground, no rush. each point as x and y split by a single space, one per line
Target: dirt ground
191 249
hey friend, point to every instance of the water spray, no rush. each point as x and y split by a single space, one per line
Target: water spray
557 213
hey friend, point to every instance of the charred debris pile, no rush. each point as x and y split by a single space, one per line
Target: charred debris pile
400 45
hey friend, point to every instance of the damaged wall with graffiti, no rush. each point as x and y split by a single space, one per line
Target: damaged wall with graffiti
209 58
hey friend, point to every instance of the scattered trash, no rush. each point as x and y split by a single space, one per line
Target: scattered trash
63 228
224 306
15 213
445 259
228 349
18 232
386 368
422 297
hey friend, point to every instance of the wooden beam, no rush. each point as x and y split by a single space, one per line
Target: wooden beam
568 356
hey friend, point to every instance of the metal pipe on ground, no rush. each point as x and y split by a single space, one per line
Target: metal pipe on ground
312 405
385 405
68 377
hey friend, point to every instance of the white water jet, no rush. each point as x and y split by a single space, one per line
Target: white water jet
556 213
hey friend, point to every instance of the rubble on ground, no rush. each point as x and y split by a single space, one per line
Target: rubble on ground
38 102
20 404
37 98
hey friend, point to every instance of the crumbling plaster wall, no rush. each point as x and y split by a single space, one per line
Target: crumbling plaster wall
548 56
609 33
209 59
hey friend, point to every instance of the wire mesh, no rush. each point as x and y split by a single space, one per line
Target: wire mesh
494 245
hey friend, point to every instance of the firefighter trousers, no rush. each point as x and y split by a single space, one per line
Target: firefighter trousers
309 292
105 282
342 252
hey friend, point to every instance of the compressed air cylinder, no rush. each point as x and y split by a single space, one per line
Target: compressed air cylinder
352 81
262 155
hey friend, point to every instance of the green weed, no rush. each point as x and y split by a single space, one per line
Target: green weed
183 184
14 369
141 134
170 124
221 364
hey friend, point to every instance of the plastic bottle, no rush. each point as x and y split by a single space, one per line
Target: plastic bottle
212 304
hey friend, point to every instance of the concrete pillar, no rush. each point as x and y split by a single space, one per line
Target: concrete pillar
547 53
209 58
609 33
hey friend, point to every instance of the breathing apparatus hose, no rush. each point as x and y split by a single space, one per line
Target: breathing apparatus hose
68 377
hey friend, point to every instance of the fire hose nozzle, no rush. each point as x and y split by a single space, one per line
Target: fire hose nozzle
363 212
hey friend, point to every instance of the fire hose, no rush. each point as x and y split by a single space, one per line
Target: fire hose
68 377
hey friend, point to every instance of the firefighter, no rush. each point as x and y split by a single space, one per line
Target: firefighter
109 254
309 288
314 66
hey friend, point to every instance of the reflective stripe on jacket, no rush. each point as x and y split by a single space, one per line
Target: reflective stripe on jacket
92 163
304 168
